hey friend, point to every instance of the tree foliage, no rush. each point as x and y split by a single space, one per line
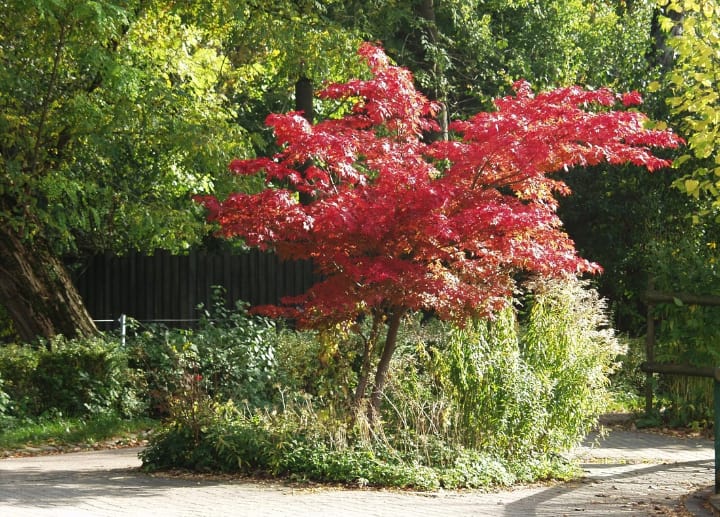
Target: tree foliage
465 53
110 116
112 113
693 81
395 224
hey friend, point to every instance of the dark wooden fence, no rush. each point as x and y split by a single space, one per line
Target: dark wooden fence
165 287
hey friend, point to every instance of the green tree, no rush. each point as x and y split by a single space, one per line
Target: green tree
112 112
110 115
465 53
694 35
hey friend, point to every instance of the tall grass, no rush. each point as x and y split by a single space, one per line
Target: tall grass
531 381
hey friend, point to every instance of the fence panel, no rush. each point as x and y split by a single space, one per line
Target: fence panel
170 287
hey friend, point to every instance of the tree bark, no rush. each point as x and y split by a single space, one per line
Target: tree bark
36 291
368 349
384 364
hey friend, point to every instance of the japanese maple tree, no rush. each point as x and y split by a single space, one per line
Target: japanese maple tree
395 223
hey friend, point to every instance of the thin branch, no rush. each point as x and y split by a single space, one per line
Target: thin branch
48 97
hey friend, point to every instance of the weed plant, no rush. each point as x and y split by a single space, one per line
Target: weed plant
231 355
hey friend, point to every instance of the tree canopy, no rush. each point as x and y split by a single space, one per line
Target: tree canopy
695 39
112 114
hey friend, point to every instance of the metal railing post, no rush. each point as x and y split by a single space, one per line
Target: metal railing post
123 329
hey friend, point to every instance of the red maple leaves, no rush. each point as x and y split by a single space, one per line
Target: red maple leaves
396 223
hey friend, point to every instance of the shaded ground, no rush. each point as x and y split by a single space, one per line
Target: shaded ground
628 473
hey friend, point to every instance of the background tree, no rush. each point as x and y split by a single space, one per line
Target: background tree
466 53
109 116
694 36
112 113
396 225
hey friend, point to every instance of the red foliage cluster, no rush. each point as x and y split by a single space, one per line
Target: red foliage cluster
395 222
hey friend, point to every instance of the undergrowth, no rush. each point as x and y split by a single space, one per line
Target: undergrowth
490 403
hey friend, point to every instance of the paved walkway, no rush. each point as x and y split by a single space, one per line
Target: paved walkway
628 473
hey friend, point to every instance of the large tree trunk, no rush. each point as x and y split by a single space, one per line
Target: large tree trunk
37 292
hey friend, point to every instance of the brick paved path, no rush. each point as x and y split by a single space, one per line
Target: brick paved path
629 473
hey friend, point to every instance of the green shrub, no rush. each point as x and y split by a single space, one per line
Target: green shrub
73 377
302 445
17 368
236 353
570 345
526 383
322 364
231 353
4 399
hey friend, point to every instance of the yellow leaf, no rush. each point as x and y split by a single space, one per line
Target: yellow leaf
691 186
680 160
708 9
666 24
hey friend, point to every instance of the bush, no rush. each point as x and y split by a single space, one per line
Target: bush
528 384
304 446
4 400
231 355
17 368
73 377
569 344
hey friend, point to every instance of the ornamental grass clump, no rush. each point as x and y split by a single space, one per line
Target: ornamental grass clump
490 403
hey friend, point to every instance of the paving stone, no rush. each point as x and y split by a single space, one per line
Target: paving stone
627 473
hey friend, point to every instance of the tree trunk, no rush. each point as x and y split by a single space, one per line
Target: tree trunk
368 349
37 292
384 364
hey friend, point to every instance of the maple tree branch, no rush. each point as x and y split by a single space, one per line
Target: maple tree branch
500 182
479 172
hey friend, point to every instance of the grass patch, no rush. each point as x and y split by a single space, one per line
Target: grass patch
61 430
